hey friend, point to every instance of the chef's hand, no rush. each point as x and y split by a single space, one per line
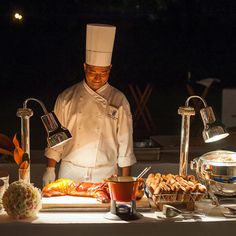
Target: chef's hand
49 175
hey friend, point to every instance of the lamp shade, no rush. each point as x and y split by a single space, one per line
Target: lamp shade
213 133
57 134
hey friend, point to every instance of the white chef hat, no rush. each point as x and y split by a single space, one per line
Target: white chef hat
99 44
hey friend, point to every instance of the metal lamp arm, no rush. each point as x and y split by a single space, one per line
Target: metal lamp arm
36 100
195 96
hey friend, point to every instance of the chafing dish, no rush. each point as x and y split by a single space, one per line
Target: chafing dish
217 170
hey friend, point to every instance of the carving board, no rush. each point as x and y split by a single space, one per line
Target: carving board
71 203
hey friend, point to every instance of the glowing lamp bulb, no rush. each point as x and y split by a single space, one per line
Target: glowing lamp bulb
18 16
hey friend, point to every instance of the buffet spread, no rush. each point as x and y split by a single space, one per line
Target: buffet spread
213 186
215 179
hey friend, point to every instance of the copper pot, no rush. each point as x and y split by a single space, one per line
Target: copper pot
122 188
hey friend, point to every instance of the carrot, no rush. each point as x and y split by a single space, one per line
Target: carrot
18 151
15 141
24 165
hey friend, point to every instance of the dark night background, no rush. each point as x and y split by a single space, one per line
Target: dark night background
157 42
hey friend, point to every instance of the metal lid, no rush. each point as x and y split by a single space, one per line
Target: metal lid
220 157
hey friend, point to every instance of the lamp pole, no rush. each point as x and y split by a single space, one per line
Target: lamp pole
25 114
185 112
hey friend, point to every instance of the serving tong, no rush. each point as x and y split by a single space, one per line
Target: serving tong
144 171
231 209
170 212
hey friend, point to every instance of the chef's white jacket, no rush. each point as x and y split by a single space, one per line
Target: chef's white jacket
101 126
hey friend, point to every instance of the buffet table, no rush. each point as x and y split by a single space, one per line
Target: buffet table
94 223
89 222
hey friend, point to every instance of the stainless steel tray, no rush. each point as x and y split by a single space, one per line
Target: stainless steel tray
147 153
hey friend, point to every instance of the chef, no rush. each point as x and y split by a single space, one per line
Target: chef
98 117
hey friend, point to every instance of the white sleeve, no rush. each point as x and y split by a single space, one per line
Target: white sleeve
56 153
126 155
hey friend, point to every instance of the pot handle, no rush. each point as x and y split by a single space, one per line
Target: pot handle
213 197
194 164
208 181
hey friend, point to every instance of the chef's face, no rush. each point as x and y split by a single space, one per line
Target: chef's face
96 76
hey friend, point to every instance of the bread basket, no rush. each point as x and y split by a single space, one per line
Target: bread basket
173 190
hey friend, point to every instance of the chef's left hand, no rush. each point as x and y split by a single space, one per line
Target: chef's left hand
49 175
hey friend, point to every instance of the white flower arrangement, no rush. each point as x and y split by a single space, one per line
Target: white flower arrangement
22 200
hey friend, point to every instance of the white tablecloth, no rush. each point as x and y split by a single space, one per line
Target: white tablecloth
94 223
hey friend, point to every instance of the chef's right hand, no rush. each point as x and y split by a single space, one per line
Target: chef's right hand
49 175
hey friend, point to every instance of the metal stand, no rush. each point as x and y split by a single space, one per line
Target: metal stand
25 114
123 211
185 112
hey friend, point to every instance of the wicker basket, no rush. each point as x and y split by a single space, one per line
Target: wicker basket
180 200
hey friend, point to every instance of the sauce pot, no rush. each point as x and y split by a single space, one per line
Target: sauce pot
122 188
